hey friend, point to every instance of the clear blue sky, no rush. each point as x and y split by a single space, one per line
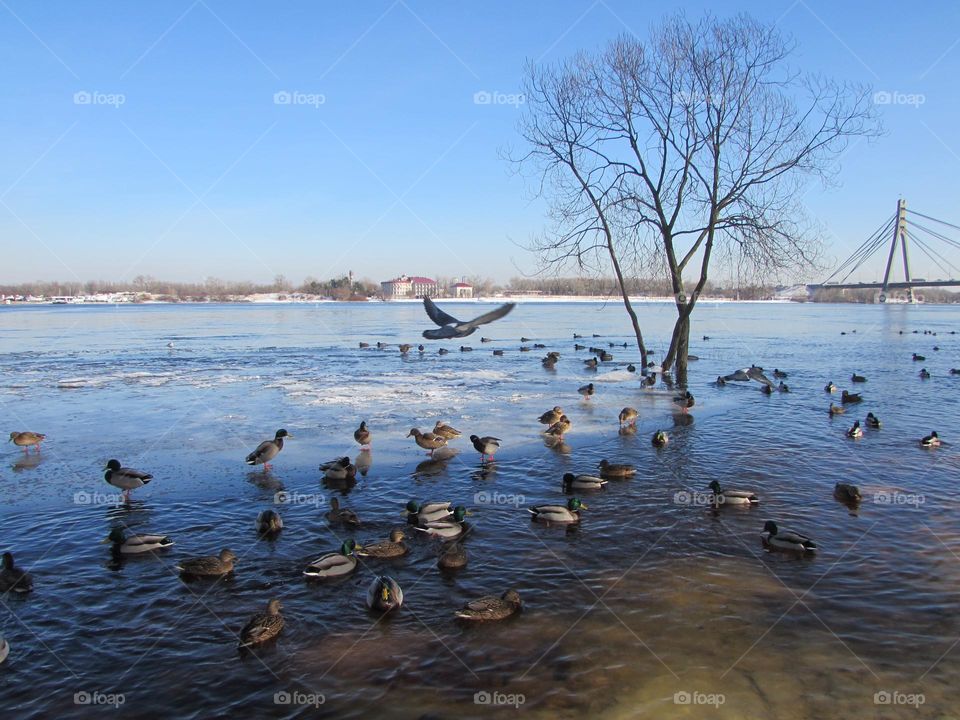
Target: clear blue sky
200 173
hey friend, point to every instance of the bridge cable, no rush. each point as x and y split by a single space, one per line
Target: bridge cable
865 251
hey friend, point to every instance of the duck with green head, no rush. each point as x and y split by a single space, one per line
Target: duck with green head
336 564
560 514
136 544
573 482
125 478
428 511
449 529
659 439
721 496
776 539
384 594
268 450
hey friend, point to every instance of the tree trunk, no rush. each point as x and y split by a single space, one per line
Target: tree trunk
682 332
628 305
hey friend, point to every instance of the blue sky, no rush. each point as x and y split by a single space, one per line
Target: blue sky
175 161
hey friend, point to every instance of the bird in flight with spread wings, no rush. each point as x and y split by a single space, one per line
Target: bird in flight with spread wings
450 327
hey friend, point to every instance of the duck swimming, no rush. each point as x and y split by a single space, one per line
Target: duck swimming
341 516
774 538
263 626
830 387
857 378
12 578
732 497
582 482
336 564
615 470
452 557
384 594
847 397
845 492
490 607
269 522
837 409
931 440
560 514
659 439
924 374
856 431
136 544
391 548
873 421
208 565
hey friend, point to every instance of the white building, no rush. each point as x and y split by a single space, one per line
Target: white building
409 287
462 290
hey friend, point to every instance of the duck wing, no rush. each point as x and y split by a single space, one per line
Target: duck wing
439 316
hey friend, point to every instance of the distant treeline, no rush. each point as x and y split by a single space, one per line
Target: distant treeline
635 286
868 297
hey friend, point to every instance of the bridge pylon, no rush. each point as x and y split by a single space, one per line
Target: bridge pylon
899 236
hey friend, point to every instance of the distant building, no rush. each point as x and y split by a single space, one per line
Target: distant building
409 287
462 290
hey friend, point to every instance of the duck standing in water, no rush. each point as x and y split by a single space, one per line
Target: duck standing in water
685 401
560 428
427 440
586 390
125 479
27 439
628 416
551 416
362 435
487 445
268 450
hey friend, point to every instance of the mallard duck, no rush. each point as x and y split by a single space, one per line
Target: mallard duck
586 390
335 564
931 440
561 514
615 470
269 522
836 409
873 421
778 539
857 378
830 387
384 594
491 607
649 381
551 416
405 348
924 374
443 430
955 371
732 497
12 578
339 469
766 389
856 431
263 626
442 351
549 362
394 547
582 482
685 401
560 428
26 439
466 348
4 649
268 450
126 479
783 387
779 373
448 529
591 363
362 435
486 445
846 492
498 352
364 345
341 516
428 441
659 439
136 544
452 557
918 358
486 339
847 397
429 511
208 564
628 415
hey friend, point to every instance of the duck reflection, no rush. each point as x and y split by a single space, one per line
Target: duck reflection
363 461
27 462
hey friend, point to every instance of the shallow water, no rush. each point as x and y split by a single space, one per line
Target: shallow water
648 603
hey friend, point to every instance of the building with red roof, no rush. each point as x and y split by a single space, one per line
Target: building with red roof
406 286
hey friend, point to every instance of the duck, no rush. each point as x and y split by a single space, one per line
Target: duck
452 557
586 390
384 594
659 439
931 440
490 607
847 397
649 381
136 544
335 564
830 387
341 516
498 352
362 435
685 401
268 522
442 351
837 409
766 389
615 470
732 497
551 416
845 492
560 514
428 441
783 387
405 348
779 373
924 374
857 378
631 368
629 416
429 511
364 345
268 450
448 529
486 339
918 358
12 578
208 565
27 439
560 428
856 431
4 649
873 421
549 362
466 348
582 482
578 346
263 626
126 479
955 371
441 429
339 469
720 382
777 539
486 445
390 548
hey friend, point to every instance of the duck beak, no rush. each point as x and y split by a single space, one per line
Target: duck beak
105 541
584 506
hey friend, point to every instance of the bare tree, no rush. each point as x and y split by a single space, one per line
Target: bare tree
694 143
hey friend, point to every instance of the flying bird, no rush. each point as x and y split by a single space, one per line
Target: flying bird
450 327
